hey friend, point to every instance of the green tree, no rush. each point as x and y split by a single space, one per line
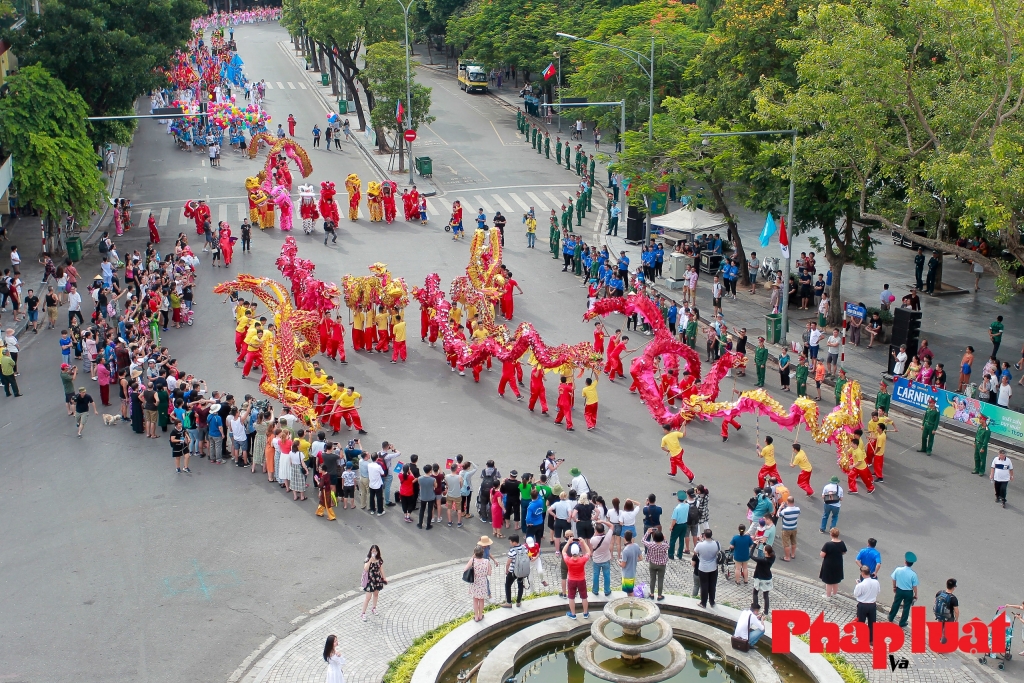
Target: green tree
385 75
107 51
42 125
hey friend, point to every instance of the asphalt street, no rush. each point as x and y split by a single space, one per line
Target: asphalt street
135 573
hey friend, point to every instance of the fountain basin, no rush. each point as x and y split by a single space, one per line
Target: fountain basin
631 668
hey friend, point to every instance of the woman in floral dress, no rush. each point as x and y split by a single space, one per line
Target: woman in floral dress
478 591
373 576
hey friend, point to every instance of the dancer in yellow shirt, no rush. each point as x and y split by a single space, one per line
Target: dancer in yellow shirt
398 331
769 468
590 402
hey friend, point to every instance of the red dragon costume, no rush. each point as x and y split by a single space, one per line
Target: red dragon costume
199 212
307 208
388 190
411 203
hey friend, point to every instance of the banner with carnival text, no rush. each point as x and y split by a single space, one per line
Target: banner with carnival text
955 407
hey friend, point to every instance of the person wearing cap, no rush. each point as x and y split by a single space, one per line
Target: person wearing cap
981 438
579 482
761 360
678 526
882 399
929 425
832 495
550 468
82 403
904 588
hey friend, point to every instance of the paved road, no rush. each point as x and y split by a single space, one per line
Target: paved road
142 575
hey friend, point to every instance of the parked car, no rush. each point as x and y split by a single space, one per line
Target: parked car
901 240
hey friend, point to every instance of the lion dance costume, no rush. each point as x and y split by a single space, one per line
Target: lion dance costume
388 190
283 199
307 208
198 211
354 188
261 209
374 202
328 207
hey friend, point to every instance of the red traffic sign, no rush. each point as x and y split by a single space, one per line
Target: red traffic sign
410 135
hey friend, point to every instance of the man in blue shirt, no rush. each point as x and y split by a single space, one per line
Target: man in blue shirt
215 432
535 516
481 219
623 265
904 587
677 533
613 219
659 258
673 315
870 558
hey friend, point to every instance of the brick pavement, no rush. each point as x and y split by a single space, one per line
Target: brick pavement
421 600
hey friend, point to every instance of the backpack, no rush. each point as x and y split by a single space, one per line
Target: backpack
751 505
5 286
830 497
942 609
693 514
521 565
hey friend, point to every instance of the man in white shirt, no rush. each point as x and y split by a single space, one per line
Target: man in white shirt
579 483
75 306
748 626
832 362
1004 392
813 341
832 497
1001 475
375 474
706 553
866 592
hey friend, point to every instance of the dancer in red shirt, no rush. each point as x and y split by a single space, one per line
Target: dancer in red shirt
537 390
565 391
508 376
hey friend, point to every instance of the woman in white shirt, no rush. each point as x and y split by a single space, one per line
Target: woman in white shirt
614 517
334 660
901 361
628 516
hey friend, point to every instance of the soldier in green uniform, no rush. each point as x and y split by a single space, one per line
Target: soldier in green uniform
801 376
929 424
577 257
547 146
558 151
534 137
519 120
981 446
567 217
567 156
590 196
591 167
760 360
581 209
840 383
581 160
555 233
882 398
691 338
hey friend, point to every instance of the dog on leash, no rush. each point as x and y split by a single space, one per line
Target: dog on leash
111 420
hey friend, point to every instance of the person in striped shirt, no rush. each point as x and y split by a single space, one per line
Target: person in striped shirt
789 513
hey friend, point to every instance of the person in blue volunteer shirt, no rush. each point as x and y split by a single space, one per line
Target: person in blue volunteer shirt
623 265
659 258
673 315
870 558
616 286
647 260
481 219
568 245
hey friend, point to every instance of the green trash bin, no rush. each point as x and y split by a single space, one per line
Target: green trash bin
773 328
424 166
342 106
75 248
325 79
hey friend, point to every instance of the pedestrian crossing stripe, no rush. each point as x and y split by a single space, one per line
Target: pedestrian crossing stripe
519 201
269 87
280 85
181 218
164 215
302 85
291 85
222 213
482 203
502 202
537 203
243 212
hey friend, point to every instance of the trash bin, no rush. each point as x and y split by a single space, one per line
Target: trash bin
75 248
773 328
325 79
424 166
342 106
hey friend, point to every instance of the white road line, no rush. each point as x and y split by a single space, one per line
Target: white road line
269 86
520 202
432 208
503 203
243 213
164 215
280 85
302 85
467 212
537 201
202 162
143 217
181 218
553 198
222 212
291 85
483 203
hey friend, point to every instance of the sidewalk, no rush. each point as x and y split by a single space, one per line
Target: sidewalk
422 599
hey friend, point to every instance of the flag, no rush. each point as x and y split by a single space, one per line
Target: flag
548 72
399 110
769 229
783 238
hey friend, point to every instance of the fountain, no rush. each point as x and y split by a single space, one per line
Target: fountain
630 627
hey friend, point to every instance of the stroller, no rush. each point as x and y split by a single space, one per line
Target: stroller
186 315
1002 657
726 563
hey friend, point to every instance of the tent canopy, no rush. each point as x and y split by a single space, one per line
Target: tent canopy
691 221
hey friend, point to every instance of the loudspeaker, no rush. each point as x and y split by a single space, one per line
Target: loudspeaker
635 228
906 329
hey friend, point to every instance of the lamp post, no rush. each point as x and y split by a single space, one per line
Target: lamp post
408 80
784 285
558 56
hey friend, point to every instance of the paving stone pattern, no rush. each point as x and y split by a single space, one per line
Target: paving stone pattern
422 601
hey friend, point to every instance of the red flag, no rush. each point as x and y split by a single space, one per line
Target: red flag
399 110
783 238
549 72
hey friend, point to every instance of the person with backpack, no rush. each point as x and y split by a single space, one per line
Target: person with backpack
517 570
947 606
832 497
489 478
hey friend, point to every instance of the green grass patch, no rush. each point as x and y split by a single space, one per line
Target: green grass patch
848 672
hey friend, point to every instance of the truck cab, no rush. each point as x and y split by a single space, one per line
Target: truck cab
472 77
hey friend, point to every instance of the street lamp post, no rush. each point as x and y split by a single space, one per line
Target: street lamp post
784 285
558 56
408 81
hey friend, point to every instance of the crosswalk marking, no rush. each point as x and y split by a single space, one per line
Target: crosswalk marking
269 87
222 212
503 203
556 202
432 208
181 218
164 215
483 203
520 202
537 202
280 85
291 85
302 85
243 213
